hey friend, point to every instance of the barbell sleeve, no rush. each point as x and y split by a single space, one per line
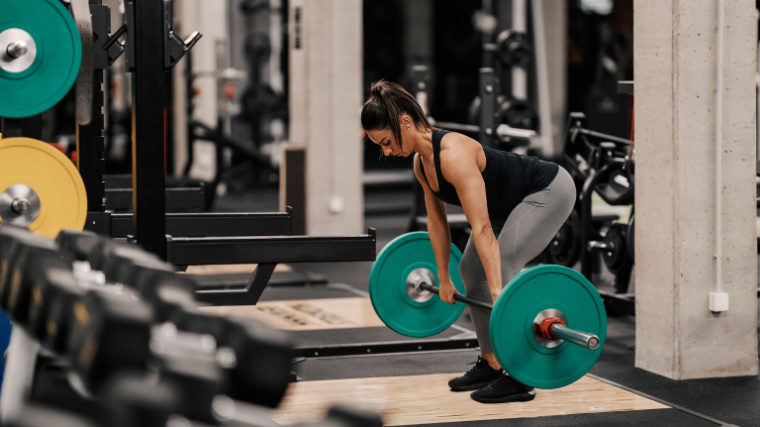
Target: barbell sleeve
557 330
583 339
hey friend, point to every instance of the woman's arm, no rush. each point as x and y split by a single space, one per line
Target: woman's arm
440 235
459 164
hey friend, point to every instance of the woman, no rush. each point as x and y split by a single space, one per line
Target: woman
515 205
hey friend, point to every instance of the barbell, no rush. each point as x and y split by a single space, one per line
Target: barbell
547 327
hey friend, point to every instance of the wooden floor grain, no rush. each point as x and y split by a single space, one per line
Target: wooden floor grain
231 269
426 399
308 315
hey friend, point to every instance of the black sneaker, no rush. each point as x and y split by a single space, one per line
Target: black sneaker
477 377
504 389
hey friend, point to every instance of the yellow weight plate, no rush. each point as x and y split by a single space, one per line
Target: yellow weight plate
52 176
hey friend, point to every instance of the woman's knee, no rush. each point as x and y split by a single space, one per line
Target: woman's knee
469 269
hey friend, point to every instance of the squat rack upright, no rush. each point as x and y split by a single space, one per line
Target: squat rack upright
197 239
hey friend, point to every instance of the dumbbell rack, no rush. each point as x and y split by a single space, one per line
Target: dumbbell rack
575 145
199 239
106 332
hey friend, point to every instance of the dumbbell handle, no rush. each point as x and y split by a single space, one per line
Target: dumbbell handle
557 330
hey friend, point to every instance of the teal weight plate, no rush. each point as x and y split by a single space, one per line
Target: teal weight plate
54 69
387 287
511 326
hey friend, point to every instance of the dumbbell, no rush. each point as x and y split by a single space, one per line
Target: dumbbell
236 414
347 416
266 363
43 288
112 335
28 305
109 331
42 282
261 374
80 246
258 371
36 415
16 246
144 400
153 279
127 400
264 355
126 264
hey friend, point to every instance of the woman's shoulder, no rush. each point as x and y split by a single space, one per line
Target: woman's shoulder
456 148
455 140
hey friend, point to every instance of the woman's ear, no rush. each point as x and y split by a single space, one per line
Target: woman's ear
406 122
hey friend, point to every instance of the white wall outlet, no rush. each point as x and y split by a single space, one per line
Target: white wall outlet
336 204
718 301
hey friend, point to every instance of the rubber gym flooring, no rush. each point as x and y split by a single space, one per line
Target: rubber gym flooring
409 388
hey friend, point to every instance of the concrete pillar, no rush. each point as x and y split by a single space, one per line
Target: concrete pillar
210 18
555 26
679 208
325 99
549 40
418 29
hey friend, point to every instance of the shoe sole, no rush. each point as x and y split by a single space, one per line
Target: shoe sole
522 397
471 387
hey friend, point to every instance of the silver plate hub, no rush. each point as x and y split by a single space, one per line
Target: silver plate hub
19 205
550 312
17 50
415 279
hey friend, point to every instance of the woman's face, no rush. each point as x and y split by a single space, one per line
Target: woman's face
387 142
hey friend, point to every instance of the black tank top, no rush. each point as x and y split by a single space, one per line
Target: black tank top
509 178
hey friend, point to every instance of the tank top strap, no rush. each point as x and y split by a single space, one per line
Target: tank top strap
437 137
422 169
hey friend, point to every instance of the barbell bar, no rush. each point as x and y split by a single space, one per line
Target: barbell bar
503 131
557 330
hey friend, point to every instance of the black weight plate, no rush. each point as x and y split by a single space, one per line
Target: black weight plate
616 254
565 247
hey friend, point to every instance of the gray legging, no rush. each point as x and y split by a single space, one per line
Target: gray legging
527 231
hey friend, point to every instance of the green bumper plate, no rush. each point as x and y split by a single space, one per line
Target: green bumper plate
511 326
56 63
387 287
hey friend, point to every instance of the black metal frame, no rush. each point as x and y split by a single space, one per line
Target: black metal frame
90 138
267 252
270 249
387 347
178 199
149 75
488 90
575 144
618 304
213 224
249 295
